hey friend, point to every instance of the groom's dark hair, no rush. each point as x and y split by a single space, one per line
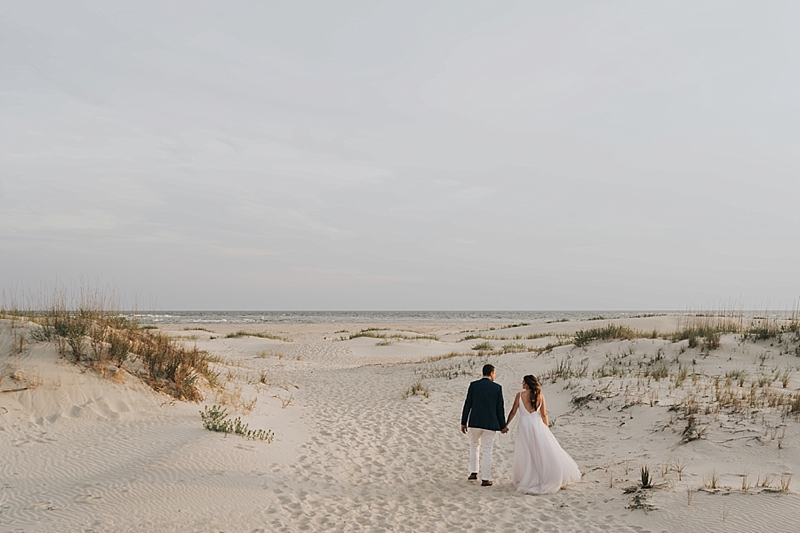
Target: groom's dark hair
488 369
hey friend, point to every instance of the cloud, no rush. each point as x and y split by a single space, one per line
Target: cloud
54 223
474 193
334 276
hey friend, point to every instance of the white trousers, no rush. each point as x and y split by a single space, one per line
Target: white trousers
481 442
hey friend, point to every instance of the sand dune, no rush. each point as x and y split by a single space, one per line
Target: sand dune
351 453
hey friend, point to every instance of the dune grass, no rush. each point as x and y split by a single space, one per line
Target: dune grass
612 331
373 333
442 368
88 329
216 419
417 388
261 335
703 330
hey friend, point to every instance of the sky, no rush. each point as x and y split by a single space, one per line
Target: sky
403 155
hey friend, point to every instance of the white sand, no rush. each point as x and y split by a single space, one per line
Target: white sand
82 452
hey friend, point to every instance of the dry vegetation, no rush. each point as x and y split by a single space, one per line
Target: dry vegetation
375 333
89 330
715 374
702 393
261 335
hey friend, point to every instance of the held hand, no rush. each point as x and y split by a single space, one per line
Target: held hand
463 429
504 430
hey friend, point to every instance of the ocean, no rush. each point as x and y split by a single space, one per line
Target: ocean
332 317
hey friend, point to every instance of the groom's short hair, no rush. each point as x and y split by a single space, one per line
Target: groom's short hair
488 369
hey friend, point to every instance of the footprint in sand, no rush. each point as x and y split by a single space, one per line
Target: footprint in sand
39 506
87 498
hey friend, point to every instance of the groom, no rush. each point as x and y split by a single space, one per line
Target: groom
483 415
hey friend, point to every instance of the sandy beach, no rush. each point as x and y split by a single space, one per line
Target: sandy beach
253 254
354 450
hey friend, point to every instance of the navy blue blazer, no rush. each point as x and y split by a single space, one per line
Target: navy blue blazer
483 407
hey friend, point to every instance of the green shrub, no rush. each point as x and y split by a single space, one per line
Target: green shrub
483 346
647 480
260 335
612 331
216 419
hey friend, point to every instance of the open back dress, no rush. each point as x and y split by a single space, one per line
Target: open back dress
541 466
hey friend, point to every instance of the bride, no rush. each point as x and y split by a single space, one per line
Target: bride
541 466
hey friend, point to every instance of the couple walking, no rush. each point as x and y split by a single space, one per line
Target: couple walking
540 465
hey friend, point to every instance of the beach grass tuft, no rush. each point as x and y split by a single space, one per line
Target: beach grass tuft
89 330
216 418
646 479
417 388
261 335
373 333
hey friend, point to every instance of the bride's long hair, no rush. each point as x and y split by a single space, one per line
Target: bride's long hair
534 389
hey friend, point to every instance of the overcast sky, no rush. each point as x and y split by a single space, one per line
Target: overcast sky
399 155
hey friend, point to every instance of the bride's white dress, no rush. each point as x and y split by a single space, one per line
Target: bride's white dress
541 466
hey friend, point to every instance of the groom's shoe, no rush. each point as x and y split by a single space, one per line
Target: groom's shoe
486 483
473 477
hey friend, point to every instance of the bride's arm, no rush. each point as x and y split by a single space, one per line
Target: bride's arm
513 410
544 411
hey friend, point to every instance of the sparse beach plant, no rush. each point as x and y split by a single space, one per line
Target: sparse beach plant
580 401
514 347
450 370
711 481
417 388
216 419
639 502
679 466
647 481
658 372
708 326
680 375
550 347
259 334
740 376
565 370
483 346
712 341
285 402
692 431
373 333
612 331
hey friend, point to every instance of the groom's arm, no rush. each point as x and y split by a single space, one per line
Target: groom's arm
466 410
501 410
